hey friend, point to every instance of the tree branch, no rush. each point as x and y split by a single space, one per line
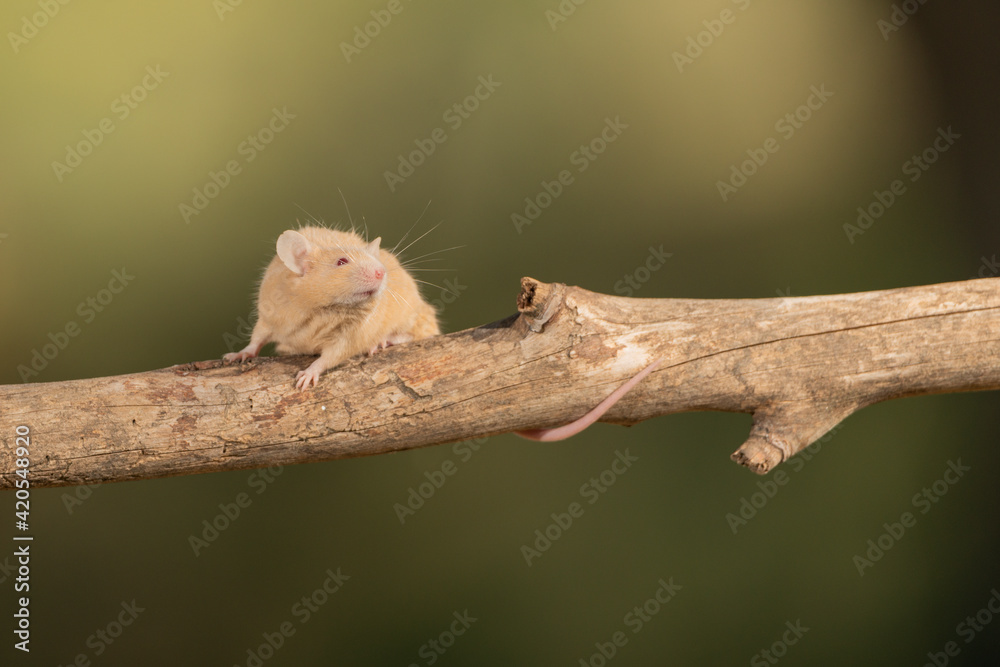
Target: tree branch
799 365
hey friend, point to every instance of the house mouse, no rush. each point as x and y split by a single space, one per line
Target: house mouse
331 293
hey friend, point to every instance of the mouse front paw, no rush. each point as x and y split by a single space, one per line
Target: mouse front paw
242 355
305 379
309 377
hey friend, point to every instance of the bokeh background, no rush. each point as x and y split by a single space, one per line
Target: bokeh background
223 70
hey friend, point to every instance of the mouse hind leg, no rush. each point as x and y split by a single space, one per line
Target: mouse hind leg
390 340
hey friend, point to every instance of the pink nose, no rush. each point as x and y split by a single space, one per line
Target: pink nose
379 273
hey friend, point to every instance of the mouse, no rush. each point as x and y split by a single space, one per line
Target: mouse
332 293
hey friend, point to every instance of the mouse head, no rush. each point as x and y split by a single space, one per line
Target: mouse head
332 267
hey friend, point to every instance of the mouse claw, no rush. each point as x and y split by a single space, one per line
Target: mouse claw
380 346
305 379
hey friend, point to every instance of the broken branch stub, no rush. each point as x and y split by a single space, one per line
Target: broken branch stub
799 365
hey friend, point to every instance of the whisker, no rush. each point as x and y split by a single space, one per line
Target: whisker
400 296
348 210
314 218
411 227
443 289
418 268
418 238
410 261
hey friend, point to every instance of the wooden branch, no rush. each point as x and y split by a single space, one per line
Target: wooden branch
799 365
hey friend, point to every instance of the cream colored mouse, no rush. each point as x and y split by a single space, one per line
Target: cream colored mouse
330 293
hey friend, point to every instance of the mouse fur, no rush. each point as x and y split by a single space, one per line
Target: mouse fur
331 293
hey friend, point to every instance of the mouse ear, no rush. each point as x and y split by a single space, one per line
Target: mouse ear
293 249
372 247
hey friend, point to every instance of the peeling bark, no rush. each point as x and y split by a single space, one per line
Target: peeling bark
798 365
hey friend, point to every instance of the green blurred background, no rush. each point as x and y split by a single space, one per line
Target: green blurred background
223 68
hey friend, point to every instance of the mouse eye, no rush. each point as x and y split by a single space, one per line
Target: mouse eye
341 261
